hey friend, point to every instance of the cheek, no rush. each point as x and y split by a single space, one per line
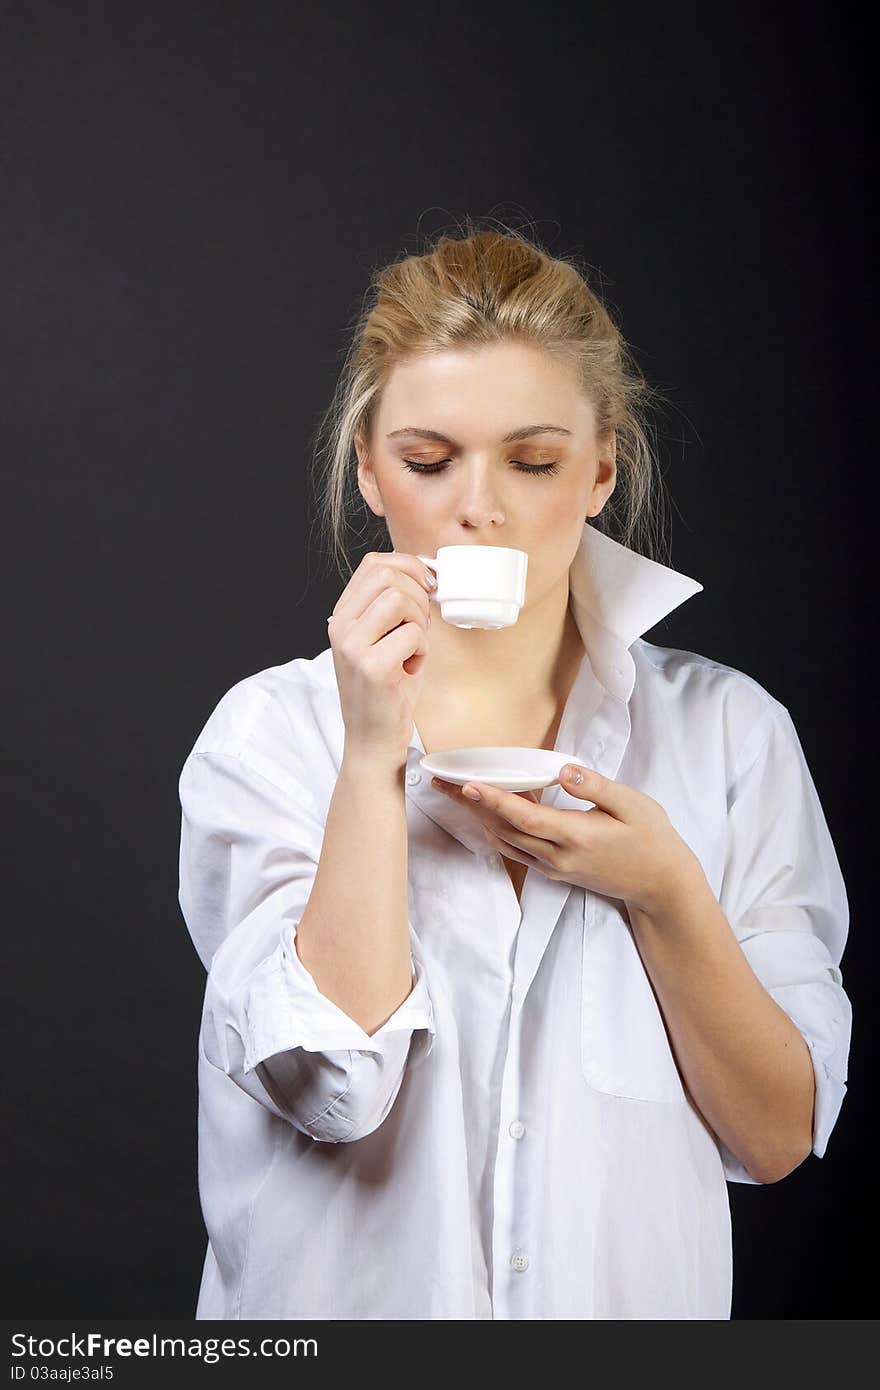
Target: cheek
563 516
406 499
556 532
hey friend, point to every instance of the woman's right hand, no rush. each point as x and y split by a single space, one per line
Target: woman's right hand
380 639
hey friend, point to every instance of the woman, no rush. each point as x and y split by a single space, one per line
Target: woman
499 1058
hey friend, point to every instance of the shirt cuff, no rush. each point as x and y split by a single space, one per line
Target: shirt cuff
822 1013
279 1006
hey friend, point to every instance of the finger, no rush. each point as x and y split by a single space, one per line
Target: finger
543 852
521 856
540 846
529 818
442 785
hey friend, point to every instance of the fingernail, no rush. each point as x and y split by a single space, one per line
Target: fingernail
471 792
430 580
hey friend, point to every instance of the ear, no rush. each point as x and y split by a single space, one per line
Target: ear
366 479
363 454
606 472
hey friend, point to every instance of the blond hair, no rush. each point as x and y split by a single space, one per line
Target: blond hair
470 290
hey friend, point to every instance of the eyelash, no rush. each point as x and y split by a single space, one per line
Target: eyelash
537 468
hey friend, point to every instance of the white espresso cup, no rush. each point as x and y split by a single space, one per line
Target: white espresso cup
479 585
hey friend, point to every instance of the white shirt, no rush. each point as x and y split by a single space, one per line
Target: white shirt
515 1141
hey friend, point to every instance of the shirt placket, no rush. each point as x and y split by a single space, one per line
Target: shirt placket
596 736
515 1241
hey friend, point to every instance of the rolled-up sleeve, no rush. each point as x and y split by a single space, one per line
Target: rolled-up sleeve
249 853
784 895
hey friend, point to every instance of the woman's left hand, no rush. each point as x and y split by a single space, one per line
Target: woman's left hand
624 847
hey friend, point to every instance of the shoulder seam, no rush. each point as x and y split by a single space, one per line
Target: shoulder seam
759 736
251 766
700 662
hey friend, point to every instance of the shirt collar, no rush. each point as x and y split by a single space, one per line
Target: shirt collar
616 595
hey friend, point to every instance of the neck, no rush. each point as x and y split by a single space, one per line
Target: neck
534 660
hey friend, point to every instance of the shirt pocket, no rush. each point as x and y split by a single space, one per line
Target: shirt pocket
625 1049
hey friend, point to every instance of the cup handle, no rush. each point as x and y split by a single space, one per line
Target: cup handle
431 565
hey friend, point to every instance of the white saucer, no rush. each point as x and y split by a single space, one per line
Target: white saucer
509 769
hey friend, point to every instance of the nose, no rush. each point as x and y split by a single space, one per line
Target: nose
476 520
479 507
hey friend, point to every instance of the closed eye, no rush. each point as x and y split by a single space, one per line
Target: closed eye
545 468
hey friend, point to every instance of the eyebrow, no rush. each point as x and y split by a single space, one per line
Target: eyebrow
523 433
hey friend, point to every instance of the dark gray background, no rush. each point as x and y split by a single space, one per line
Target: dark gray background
192 200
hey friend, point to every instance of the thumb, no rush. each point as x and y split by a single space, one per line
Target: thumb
588 785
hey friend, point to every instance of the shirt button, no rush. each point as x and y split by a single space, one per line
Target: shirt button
517 1129
520 1260
413 778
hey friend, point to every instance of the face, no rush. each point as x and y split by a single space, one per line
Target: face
474 484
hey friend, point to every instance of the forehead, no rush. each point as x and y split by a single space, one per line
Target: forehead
482 393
